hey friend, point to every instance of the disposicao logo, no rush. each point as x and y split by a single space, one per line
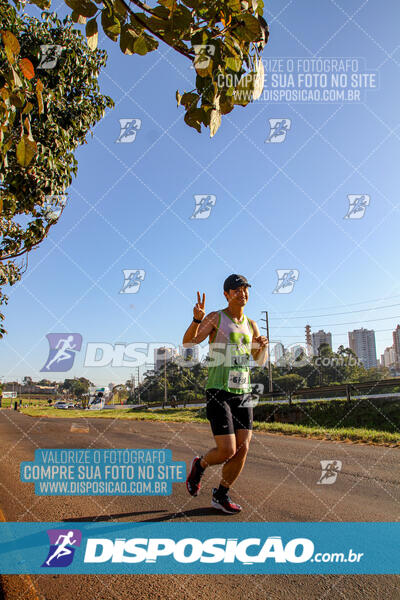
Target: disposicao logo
61 551
190 550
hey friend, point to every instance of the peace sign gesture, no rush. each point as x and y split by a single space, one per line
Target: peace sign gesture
198 310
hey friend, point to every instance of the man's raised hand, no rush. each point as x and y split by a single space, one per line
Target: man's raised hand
198 310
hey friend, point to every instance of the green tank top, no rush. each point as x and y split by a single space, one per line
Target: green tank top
229 355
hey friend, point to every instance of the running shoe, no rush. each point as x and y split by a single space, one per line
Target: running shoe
224 503
193 484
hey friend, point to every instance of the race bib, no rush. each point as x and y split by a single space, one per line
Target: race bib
238 379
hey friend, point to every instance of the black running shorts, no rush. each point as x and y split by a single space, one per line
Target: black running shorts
226 412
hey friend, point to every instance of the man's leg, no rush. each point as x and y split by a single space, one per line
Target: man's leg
224 450
234 465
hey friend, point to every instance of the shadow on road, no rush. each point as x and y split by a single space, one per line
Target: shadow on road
109 517
196 512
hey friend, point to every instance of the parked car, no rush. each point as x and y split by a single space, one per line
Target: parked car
70 405
61 404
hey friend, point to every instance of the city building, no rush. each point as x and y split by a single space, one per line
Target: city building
388 358
318 338
309 340
162 355
396 346
191 354
362 342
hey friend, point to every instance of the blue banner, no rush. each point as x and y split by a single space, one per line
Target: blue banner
215 548
99 472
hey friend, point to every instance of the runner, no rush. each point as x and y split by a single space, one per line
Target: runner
232 336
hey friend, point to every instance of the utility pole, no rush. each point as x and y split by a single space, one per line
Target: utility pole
270 385
132 386
138 378
165 377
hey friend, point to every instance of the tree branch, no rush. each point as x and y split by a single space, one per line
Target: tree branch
188 54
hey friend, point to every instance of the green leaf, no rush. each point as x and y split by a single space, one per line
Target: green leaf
86 8
234 64
127 39
235 5
26 150
145 44
170 4
250 29
226 104
181 19
120 8
202 62
140 46
110 24
243 93
16 100
43 4
92 34
194 118
77 18
189 100
11 45
161 12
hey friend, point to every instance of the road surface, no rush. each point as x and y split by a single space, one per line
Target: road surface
278 483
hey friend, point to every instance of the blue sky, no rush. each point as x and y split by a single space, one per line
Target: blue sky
278 205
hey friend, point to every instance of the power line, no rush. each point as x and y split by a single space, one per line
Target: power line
329 307
334 324
342 313
341 333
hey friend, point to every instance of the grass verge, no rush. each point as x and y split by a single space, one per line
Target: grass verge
345 434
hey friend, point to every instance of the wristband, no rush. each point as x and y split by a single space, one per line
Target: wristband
196 320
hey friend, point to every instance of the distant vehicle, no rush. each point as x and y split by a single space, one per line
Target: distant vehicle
61 404
70 405
96 403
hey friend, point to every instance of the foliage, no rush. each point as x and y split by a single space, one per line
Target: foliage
77 387
223 39
288 384
45 114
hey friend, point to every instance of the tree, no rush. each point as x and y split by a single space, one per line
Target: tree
45 118
45 114
289 384
223 39
77 387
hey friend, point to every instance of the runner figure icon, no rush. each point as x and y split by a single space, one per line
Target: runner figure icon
62 550
62 354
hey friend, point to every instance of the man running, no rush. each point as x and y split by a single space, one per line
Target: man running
232 337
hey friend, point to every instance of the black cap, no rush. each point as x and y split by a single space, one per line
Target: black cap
234 281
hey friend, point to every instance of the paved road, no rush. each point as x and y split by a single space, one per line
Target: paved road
277 484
